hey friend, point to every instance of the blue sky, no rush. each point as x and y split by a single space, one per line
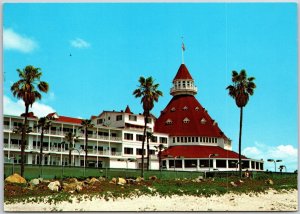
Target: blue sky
113 44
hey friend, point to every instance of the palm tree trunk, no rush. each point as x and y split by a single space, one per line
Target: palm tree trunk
23 140
240 142
41 146
148 154
86 147
143 146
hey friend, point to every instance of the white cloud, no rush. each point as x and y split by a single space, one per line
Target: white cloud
14 41
11 107
287 153
79 43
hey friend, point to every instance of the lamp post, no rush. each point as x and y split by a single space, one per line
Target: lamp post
79 160
211 155
43 161
275 161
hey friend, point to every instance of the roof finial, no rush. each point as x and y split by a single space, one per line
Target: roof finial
183 49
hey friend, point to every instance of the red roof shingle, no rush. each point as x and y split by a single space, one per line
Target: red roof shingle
199 152
183 73
184 115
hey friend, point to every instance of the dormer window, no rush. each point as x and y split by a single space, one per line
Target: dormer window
186 120
197 108
185 108
203 121
169 122
173 109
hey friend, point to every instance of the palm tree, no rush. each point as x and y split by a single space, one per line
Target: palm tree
44 123
25 89
149 93
70 138
86 124
160 148
241 89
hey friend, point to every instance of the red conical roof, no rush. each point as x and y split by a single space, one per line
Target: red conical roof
127 110
184 116
183 73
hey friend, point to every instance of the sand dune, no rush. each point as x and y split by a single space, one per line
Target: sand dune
271 201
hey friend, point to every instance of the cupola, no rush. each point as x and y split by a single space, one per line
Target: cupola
183 83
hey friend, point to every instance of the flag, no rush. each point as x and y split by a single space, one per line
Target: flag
183 47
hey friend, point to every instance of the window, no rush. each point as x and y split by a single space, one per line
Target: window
232 163
189 139
178 139
196 139
186 120
152 152
128 151
149 120
139 151
163 140
221 163
6 123
185 108
169 122
245 164
205 163
119 117
99 121
257 165
183 84
173 109
139 137
132 117
154 139
203 121
128 136
174 139
252 164
261 166
197 108
190 163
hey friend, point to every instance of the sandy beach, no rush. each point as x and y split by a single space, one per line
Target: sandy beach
270 201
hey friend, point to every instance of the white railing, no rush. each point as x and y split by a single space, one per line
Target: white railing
6 127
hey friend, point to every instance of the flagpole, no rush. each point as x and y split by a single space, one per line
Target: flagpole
182 50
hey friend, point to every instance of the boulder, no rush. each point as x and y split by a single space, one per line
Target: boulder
101 179
34 182
93 180
16 178
130 181
269 181
233 184
54 186
121 181
71 187
113 180
72 180
139 179
153 177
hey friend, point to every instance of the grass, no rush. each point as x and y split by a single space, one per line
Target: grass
165 188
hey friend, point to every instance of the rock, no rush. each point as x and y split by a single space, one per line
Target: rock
269 181
121 181
72 180
34 182
241 181
16 178
113 180
233 184
101 179
200 178
139 179
130 181
45 181
153 177
76 186
54 186
93 180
